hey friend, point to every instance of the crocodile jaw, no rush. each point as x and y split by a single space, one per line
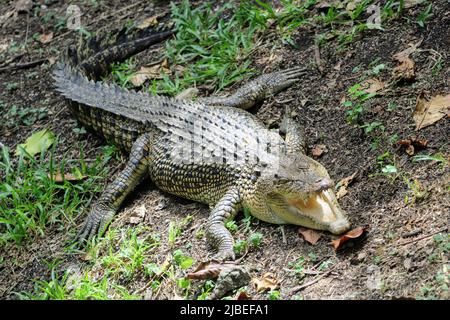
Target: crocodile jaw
319 211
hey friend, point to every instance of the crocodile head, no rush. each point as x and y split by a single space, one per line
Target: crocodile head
299 191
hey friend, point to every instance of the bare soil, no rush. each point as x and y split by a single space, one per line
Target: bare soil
391 262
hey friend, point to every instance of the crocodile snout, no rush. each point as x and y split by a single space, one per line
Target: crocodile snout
339 226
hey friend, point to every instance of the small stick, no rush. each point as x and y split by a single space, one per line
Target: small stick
283 235
314 281
317 58
25 65
420 238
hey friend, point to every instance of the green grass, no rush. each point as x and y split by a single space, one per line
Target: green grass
212 49
31 200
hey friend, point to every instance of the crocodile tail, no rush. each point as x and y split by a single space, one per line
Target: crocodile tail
94 56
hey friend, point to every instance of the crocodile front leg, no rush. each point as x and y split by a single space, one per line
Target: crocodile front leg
257 89
295 135
217 236
103 211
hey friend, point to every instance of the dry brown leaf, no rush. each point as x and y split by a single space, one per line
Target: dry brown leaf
87 257
407 52
243 296
318 150
164 265
51 60
310 236
152 72
267 282
58 177
343 184
138 214
405 70
3 47
351 5
187 94
5 17
273 58
411 143
46 38
148 22
209 270
373 85
329 3
353 234
428 112
411 3
23 6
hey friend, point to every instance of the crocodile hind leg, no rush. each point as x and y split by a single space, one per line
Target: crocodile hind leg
217 235
295 135
257 89
103 211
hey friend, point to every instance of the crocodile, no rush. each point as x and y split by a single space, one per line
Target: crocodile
211 150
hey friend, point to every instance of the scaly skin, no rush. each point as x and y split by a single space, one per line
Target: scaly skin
209 151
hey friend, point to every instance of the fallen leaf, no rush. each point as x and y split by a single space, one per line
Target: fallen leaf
311 236
411 143
46 38
405 70
153 72
428 112
37 142
407 52
164 265
243 295
5 17
148 22
209 270
352 234
329 3
87 257
270 59
138 214
373 85
343 184
51 60
318 150
3 47
59 177
23 6
187 94
411 3
351 5
267 282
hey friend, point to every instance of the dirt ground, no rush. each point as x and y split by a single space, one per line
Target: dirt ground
399 255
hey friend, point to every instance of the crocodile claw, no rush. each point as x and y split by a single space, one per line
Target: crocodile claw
280 80
224 255
96 223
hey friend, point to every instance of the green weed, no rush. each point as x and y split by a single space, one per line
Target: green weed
31 199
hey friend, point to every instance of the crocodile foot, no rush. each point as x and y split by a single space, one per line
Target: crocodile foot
224 255
96 223
277 81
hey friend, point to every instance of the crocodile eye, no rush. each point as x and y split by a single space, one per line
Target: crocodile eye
276 176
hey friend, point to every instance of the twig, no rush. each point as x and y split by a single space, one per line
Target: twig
314 281
25 65
12 59
283 235
420 238
317 58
